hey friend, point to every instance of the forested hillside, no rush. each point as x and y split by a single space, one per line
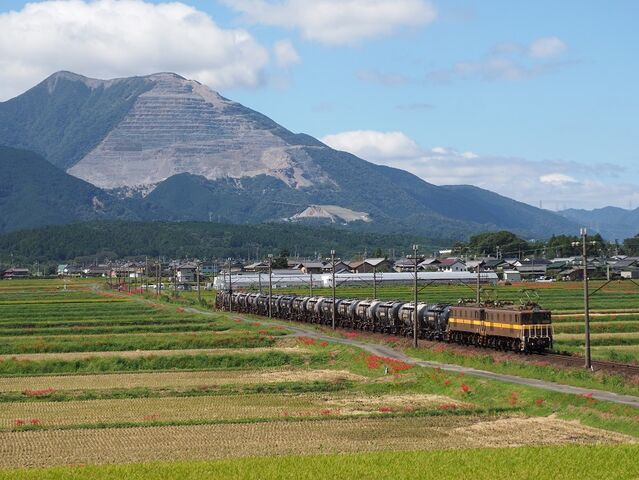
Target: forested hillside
111 239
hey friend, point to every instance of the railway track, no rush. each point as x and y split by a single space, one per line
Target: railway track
597 365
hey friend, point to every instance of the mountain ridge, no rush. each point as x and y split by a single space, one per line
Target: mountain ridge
611 222
189 151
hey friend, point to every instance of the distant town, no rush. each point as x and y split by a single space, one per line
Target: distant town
295 271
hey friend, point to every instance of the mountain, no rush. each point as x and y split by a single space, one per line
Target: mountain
180 151
611 222
33 193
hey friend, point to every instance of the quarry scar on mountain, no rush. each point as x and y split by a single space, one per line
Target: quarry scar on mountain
181 126
332 213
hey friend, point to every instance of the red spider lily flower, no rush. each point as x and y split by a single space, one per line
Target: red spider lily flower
38 393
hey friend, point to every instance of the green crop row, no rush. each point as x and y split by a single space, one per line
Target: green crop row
541 463
164 363
103 343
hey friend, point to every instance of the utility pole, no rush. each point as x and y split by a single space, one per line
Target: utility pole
415 248
333 284
375 281
478 294
175 269
230 288
311 283
197 274
270 285
584 258
584 246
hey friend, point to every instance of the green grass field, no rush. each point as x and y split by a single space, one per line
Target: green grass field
556 463
135 381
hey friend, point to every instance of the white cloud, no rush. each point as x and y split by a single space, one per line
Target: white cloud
558 184
557 179
546 47
508 61
388 79
285 53
110 38
373 145
338 22
415 106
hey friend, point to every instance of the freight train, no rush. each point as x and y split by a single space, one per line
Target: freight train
525 328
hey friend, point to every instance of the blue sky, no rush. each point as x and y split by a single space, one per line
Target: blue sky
536 100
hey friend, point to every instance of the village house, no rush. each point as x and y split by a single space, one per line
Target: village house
370 265
340 267
452 265
532 267
256 267
186 272
405 265
208 269
429 265
13 272
511 276
96 271
312 267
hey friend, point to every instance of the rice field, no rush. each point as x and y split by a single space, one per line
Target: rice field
92 377
144 444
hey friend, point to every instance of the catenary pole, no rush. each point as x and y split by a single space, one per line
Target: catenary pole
270 285
230 288
197 274
415 248
333 285
584 249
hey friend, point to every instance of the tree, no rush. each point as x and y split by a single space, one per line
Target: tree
631 246
280 262
509 244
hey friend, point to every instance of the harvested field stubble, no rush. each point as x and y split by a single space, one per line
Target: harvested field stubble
210 408
124 445
147 353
